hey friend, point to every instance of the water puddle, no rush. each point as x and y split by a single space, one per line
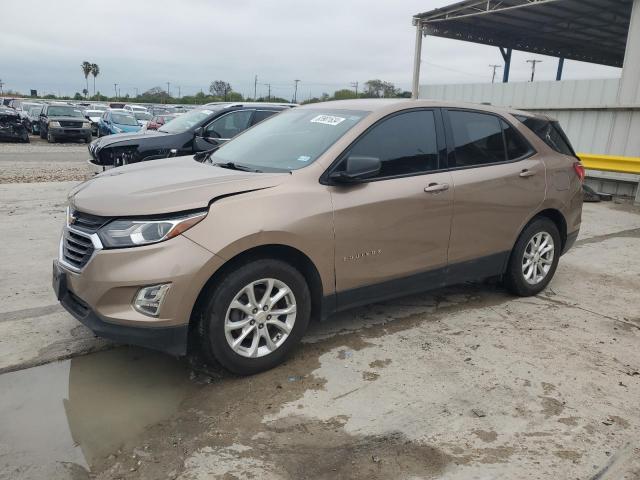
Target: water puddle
64 416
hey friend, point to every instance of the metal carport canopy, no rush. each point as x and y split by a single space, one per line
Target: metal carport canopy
592 31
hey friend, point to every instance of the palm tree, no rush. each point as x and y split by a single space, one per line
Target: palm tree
86 69
95 71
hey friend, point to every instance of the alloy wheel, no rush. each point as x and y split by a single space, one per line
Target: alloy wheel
260 318
538 258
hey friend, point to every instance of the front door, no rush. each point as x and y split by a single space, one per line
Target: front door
498 182
392 231
223 128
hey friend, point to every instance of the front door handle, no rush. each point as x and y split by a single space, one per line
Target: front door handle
436 187
527 173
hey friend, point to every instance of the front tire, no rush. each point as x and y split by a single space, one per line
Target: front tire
254 316
50 138
534 258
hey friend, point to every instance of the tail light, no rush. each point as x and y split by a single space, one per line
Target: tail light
579 169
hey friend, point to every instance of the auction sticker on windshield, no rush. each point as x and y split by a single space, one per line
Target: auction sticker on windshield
328 120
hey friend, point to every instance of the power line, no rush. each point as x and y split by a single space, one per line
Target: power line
533 67
295 92
493 76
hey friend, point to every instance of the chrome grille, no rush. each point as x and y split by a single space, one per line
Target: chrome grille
77 248
86 222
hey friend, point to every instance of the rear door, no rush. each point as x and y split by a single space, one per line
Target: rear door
498 181
392 230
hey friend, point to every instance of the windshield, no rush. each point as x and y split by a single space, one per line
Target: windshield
100 108
35 110
142 116
288 141
93 113
124 119
186 121
64 111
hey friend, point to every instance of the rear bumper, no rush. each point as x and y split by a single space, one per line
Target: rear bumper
171 340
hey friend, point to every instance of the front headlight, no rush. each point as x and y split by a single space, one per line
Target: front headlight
135 232
86 124
54 124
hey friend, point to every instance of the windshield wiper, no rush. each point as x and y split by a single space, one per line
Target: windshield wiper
236 166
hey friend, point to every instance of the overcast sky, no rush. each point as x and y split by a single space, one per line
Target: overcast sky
327 45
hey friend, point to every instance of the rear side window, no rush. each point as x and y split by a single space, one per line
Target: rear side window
477 138
550 133
405 144
261 115
516 146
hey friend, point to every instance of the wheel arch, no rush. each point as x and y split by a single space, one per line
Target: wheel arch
286 253
556 217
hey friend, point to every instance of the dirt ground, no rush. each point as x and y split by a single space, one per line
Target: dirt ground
461 383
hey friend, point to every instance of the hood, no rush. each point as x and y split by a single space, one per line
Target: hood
94 119
125 138
127 128
164 186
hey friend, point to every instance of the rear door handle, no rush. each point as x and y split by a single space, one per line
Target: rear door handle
436 187
527 173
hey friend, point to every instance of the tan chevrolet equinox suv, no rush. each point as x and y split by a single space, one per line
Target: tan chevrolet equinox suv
318 209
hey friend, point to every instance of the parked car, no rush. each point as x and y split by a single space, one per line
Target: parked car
11 126
322 208
135 108
94 116
33 114
142 118
195 131
57 121
156 122
117 121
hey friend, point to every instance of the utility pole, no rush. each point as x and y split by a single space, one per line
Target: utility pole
295 92
255 88
355 85
269 90
179 91
115 89
533 67
1 85
136 92
495 67
168 89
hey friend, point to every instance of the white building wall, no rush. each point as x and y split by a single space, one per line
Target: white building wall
588 110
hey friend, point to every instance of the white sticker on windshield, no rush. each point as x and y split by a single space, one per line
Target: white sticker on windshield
304 158
207 112
328 120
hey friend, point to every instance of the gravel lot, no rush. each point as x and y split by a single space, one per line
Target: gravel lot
461 383
40 161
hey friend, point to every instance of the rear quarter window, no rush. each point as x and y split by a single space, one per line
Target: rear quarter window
550 132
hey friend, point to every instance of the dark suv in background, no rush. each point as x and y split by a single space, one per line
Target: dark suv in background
198 130
63 121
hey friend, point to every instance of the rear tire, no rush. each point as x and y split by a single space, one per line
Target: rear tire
220 325
534 258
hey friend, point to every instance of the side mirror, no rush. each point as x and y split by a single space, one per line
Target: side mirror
199 132
357 168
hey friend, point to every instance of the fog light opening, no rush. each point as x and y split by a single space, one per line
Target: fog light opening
149 299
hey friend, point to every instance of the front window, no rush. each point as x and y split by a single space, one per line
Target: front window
63 111
123 119
142 116
289 141
187 121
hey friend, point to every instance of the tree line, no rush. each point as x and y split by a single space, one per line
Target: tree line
222 91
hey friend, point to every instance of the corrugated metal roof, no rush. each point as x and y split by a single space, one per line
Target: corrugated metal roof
592 31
